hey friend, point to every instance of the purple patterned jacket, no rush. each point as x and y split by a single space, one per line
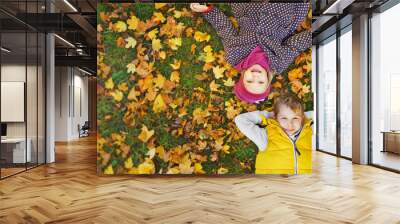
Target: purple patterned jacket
268 25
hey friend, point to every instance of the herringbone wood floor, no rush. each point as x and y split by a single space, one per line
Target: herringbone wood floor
69 191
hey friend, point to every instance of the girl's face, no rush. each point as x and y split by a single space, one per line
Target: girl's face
256 79
289 120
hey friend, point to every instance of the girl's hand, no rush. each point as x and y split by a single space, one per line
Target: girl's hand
196 7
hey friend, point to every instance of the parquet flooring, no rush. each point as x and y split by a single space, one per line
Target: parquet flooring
69 191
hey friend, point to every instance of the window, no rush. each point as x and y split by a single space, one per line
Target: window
385 89
326 98
346 92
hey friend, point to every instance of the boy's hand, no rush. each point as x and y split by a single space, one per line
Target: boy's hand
197 7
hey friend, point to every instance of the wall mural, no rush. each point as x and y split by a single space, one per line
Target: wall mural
204 89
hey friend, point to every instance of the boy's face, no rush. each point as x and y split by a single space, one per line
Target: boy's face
256 79
289 120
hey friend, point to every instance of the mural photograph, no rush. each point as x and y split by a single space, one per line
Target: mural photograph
204 89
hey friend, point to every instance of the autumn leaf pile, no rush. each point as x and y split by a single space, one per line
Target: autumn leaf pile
165 100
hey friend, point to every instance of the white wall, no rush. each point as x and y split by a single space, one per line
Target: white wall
71 93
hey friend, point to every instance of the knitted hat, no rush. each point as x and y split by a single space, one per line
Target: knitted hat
257 56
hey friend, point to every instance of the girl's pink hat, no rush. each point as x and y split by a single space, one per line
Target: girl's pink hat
257 56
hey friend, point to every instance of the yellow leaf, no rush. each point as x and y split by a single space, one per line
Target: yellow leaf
133 23
153 34
223 170
214 86
207 49
218 72
109 84
173 170
199 89
147 167
162 55
159 5
174 43
185 167
123 87
118 95
131 42
159 104
156 44
120 26
200 37
189 32
159 82
209 57
162 153
128 163
225 149
133 170
175 76
177 14
132 94
151 94
131 68
145 134
159 17
229 82
176 65
200 116
198 168
109 170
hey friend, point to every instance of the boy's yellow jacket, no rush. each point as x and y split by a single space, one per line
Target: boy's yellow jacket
281 156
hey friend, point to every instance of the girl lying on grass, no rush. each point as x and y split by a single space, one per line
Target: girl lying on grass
264 45
285 139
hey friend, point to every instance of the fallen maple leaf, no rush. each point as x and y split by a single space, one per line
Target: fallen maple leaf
131 42
159 5
132 22
109 84
120 26
214 86
218 72
145 134
222 170
120 42
152 34
128 163
156 45
131 68
158 17
229 82
117 95
200 37
159 81
175 76
133 94
176 65
174 43
159 104
198 169
162 55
